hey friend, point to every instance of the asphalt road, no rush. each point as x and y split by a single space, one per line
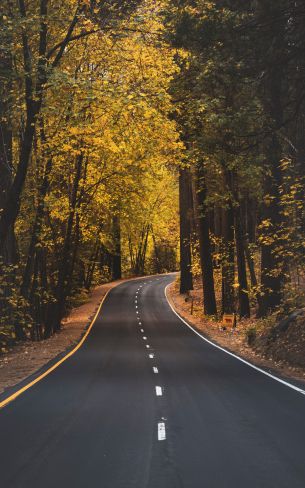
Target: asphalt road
146 403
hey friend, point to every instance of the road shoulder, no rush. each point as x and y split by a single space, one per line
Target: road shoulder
29 359
233 342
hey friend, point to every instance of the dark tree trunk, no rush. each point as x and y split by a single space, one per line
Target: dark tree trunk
243 291
92 264
239 219
272 266
36 231
273 97
158 263
228 268
185 204
8 246
117 255
209 300
53 324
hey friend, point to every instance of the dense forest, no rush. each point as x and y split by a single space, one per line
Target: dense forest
113 114
240 98
87 151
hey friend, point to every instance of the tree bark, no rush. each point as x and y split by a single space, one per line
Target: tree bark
228 299
53 324
185 210
209 299
243 291
272 93
117 255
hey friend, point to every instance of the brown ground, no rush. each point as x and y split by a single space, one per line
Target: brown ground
281 358
23 360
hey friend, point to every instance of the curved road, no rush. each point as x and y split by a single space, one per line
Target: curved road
146 403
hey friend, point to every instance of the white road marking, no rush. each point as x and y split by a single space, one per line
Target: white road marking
136 306
159 391
144 338
142 330
151 356
161 431
155 370
148 346
279 380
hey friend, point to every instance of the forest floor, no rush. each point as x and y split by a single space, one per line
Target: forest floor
24 359
285 356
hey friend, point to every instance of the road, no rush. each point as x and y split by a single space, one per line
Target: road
146 403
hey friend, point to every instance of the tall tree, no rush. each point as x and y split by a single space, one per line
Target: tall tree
185 199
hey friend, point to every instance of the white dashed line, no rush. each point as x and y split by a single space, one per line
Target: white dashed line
151 356
155 370
161 431
159 391
148 346
142 330
144 338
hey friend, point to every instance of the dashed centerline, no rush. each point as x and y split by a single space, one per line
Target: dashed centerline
161 431
159 391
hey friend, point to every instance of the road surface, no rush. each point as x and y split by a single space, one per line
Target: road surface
146 403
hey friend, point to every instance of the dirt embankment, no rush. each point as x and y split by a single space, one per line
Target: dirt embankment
281 351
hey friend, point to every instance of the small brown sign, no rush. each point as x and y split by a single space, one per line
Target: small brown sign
229 321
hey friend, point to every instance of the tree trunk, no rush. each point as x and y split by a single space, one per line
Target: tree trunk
54 321
185 204
273 86
36 231
228 299
117 255
209 299
243 291
8 246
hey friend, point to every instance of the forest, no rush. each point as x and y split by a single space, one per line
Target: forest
137 135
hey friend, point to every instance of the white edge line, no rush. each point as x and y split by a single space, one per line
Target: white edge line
279 380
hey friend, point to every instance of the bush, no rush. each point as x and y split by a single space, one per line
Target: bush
251 335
